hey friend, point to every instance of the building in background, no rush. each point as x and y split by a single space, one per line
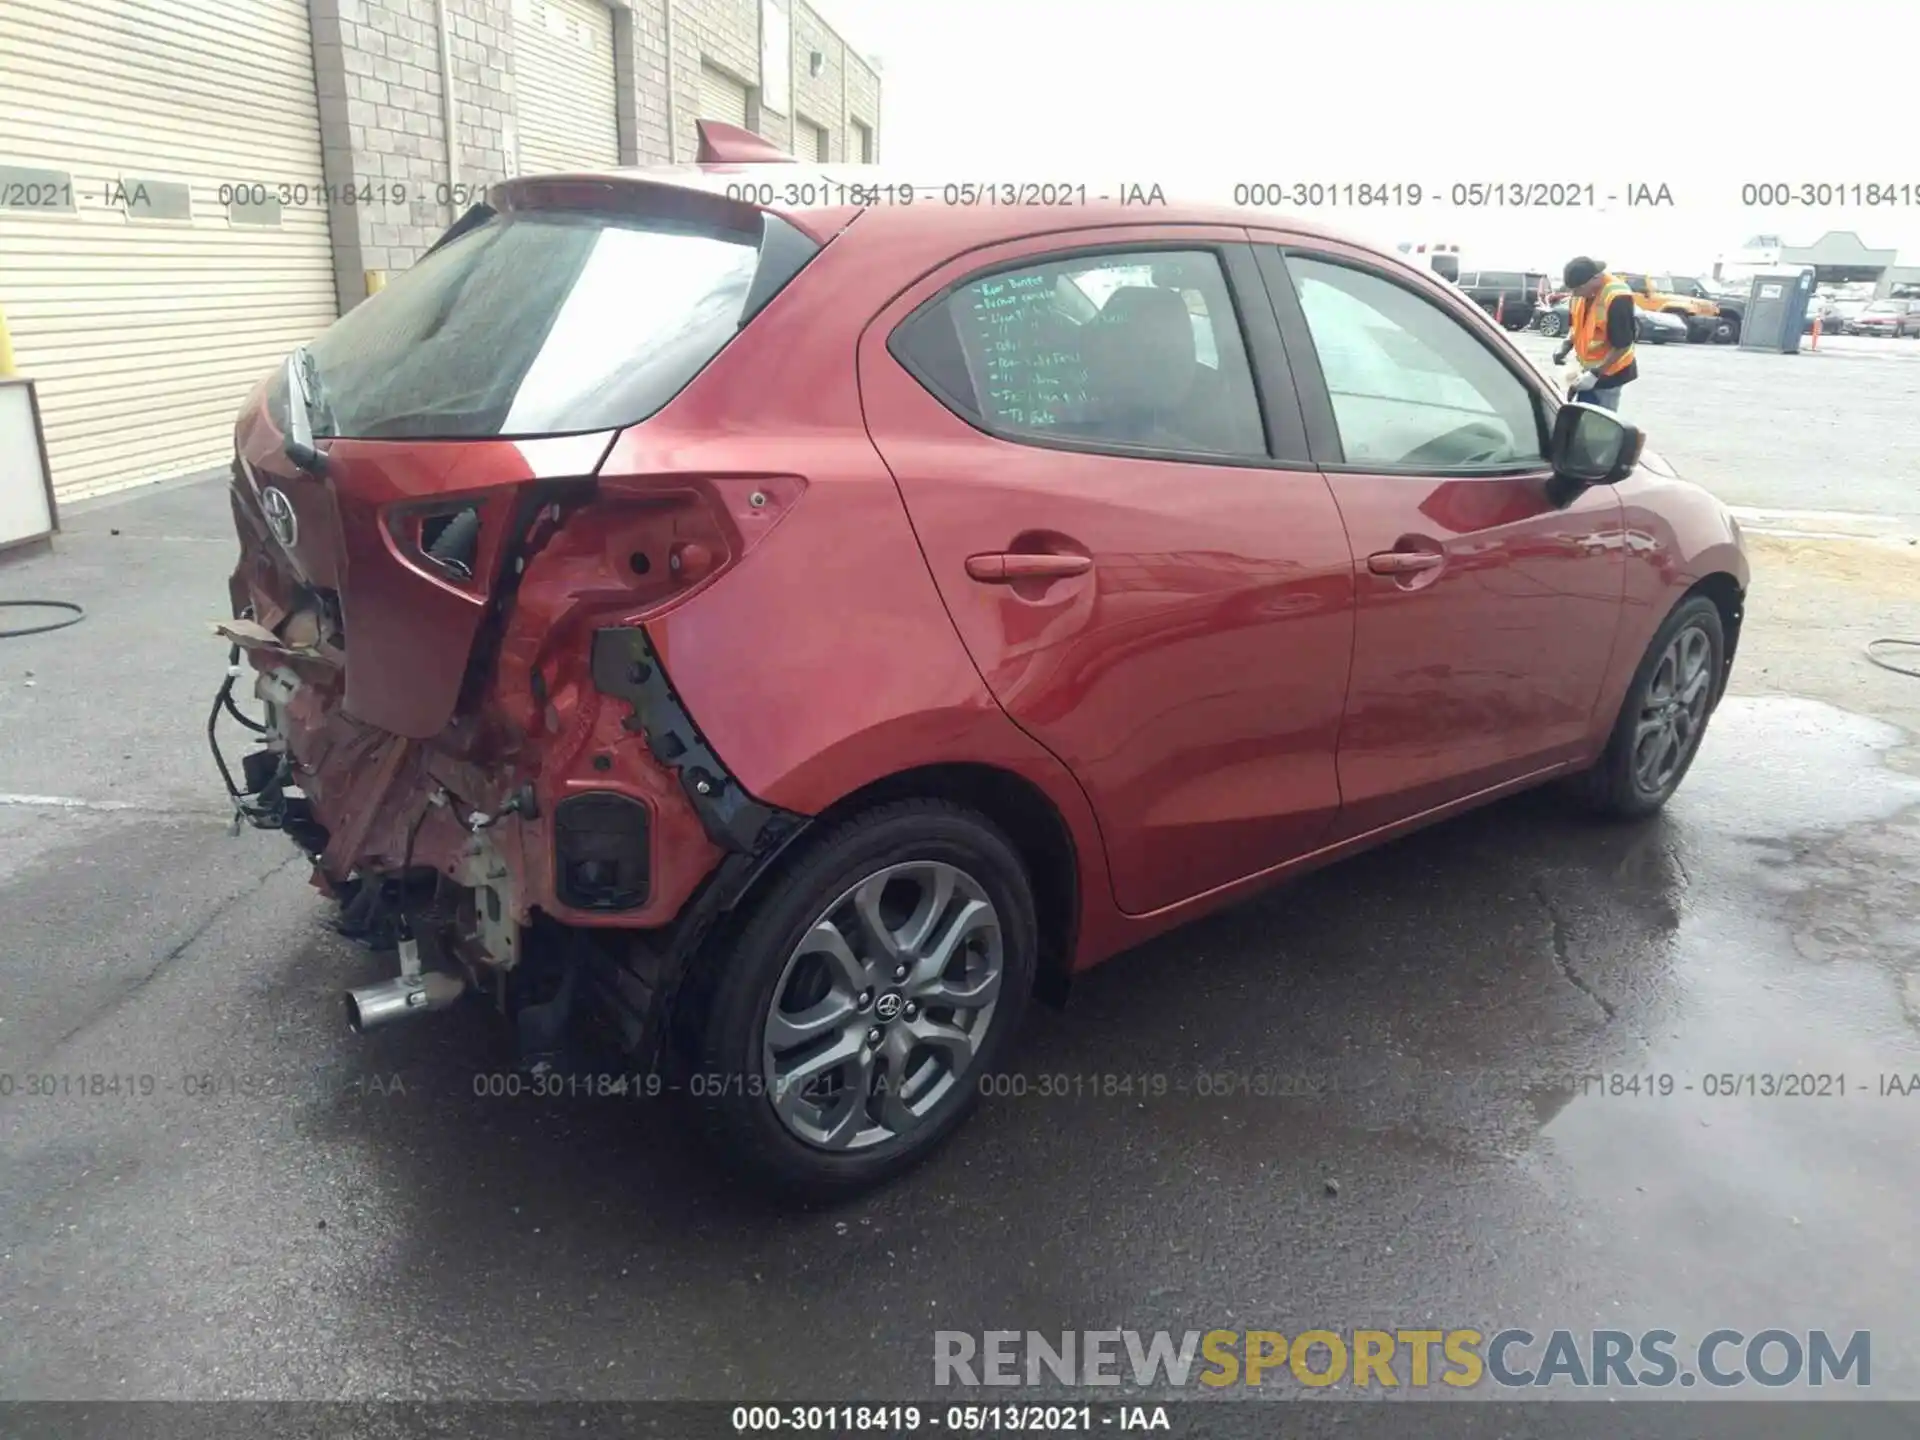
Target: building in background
1838 258
189 190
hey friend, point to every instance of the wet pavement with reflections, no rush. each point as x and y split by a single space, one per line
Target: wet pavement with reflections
1394 1094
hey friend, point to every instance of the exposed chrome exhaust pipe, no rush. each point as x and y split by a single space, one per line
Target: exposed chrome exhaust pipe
412 992
374 1005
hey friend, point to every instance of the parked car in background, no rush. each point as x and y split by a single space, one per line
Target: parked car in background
1656 292
1513 295
1887 317
819 632
1831 313
1841 314
1730 310
1651 327
1656 327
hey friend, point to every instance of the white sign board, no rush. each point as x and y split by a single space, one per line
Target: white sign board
776 58
1769 292
24 511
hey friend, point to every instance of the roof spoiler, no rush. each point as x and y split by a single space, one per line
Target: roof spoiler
722 144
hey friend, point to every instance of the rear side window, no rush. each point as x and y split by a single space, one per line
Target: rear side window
536 324
1129 351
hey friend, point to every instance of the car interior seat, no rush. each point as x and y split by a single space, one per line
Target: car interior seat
1141 367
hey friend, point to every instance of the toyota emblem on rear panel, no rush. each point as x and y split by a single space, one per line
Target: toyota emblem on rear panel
280 517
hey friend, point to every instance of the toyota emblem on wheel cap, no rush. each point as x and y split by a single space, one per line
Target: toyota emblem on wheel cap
280 517
888 1005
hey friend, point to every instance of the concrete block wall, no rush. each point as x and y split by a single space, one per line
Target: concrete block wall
383 124
377 69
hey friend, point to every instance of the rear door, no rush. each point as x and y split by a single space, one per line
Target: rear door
1100 449
1485 615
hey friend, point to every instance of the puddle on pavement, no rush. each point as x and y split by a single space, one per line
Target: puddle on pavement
1772 1153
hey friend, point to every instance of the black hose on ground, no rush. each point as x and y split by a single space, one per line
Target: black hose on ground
1888 664
73 618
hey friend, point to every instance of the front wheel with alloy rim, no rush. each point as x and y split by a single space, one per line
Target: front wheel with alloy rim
1665 714
856 1010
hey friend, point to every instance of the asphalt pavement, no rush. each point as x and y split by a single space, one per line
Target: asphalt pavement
1357 1101
1828 441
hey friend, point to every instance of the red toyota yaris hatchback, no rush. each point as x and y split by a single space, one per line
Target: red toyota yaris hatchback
786 637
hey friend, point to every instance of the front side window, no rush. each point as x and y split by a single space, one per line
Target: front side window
1135 351
1411 387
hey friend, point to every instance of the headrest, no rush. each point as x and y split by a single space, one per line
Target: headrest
1139 350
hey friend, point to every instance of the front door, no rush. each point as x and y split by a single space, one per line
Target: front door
1104 462
1485 612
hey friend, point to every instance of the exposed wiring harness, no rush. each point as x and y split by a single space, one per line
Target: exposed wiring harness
1886 664
74 617
224 701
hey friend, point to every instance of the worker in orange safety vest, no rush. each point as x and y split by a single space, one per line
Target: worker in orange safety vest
1600 335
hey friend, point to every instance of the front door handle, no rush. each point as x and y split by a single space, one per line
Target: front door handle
1007 567
1405 562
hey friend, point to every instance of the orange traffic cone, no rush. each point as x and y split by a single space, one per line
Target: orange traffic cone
1500 309
1816 330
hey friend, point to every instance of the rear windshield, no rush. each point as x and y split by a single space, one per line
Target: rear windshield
538 323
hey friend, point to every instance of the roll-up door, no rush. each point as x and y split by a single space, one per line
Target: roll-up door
565 110
163 232
722 97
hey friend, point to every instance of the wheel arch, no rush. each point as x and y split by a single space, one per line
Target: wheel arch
1724 590
1021 810
1032 824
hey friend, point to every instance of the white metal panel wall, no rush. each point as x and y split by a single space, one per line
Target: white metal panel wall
565 103
722 97
146 335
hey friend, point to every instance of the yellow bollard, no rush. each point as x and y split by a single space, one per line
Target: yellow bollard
376 281
6 350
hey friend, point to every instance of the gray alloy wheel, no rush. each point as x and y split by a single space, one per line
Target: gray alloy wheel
1663 716
883 1007
1673 712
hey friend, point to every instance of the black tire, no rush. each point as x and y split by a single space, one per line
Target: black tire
728 1084
1726 331
1615 787
1551 325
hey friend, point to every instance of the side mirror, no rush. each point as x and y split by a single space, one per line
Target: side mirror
1591 446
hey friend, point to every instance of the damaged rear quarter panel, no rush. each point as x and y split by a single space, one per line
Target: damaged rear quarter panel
825 661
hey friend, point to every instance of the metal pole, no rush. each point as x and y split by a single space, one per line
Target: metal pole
673 110
447 112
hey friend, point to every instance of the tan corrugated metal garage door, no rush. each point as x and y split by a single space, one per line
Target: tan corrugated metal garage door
722 97
564 101
142 306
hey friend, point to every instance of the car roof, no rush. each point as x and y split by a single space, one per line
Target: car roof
822 200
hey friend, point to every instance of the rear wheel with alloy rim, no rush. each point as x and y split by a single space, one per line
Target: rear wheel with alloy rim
856 1011
1665 714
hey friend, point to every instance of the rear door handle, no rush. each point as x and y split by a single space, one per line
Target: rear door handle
1405 562
1005 568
